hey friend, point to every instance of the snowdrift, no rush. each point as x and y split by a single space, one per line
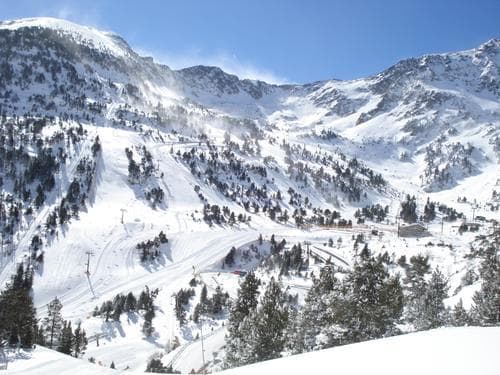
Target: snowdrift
454 351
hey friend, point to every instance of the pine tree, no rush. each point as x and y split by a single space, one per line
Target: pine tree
146 302
130 302
269 324
147 327
435 313
311 320
204 297
409 209
486 309
374 300
198 310
53 323
245 303
416 287
17 314
218 301
66 340
155 365
367 304
460 317
80 341
118 307
144 299
17 317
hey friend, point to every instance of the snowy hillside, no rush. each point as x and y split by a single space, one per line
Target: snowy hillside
461 351
446 351
143 198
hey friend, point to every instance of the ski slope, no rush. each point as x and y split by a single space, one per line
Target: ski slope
293 115
193 245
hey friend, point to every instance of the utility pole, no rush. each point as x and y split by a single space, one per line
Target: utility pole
198 275
89 253
123 213
202 346
397 220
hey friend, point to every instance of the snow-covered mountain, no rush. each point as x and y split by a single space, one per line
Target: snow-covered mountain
148 176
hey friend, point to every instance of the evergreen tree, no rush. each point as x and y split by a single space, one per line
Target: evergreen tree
310 322
367 304
269 324
155 365
229 259
416 287
118 307
460 317
435 313
409 209
486 309
429 211
218 301
53 323
79 341
17 317
204 297
17 313
147 327
374 301
66 340
245 303
145 299
130 302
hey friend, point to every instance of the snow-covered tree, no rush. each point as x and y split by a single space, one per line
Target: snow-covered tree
409 209
17 313
80 341
52 324
460 317
415 287
306 330
269 324
66 339
371 302
486 309
246 303
435 312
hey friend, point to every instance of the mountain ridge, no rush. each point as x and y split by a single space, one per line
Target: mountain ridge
64 25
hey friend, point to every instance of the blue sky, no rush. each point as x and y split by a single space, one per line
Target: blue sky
282 40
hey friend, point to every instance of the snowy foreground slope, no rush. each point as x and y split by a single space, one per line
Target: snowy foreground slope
295 161
457 351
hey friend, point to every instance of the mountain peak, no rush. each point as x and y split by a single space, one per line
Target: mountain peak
492 44
104 40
